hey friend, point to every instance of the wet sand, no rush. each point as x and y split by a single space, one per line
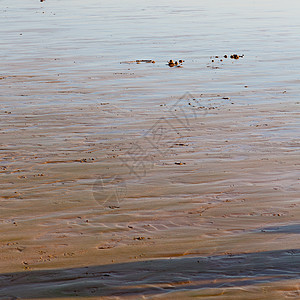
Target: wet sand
123 180
232 195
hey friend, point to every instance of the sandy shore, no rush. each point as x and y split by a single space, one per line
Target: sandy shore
112 190
116 183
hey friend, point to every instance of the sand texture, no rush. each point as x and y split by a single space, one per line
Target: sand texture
143 180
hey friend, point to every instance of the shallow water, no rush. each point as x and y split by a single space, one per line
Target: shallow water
220 185
73 49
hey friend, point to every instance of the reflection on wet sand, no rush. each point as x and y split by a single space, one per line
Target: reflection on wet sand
175 174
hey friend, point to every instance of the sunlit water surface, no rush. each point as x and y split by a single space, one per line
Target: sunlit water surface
67 52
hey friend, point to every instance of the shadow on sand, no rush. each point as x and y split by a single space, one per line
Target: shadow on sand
291 228
153 276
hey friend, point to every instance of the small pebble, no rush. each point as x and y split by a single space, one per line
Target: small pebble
179 163
234 56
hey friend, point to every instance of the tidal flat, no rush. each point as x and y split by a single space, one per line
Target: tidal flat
124 175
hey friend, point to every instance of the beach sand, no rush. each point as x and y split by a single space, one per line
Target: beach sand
141 181
224 192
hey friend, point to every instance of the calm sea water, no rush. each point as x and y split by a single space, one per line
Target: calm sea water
70 51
